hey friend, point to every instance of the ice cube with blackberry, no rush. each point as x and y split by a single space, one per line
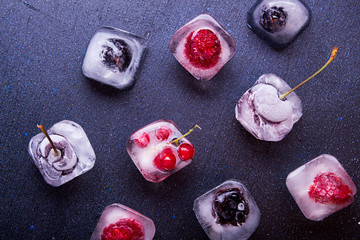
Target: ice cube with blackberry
279 23
113 57
62 153
227 212
202 47
321 187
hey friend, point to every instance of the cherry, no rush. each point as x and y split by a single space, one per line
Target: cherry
165 160
124 229
186 151
162 133
203 49
143 140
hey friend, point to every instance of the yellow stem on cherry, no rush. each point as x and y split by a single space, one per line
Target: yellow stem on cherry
332 57
48 137
177 140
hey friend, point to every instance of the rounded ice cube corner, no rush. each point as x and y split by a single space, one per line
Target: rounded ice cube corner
113 57
74 154
121 222
321 187
262 113
159 149
279 22
227 212
202 47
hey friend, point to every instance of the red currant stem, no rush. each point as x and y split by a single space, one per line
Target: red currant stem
332 57
177 140
48 137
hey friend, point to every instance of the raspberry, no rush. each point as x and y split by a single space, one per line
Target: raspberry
328 188
203 49
124 229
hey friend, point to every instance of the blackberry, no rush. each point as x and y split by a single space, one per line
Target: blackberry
273 19
117 54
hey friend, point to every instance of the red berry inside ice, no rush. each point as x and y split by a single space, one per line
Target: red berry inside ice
328 188
143 140
124 229
162 133
186 151
165 160
203 50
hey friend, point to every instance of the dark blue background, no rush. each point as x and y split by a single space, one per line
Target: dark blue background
42 45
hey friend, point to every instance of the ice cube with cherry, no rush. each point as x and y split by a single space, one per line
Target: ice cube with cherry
113 57
202 47
62 153
159 150
120 222
227 212
279 22
321 187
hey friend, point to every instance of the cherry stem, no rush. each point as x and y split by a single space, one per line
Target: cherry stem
332 57
177 140
48 137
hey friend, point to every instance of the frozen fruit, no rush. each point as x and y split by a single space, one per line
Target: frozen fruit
165 160
186 151
117 54
162 133
143 140
124 229
202 46
279 22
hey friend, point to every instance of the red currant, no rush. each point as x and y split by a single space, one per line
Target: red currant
162 133
165 160
186 151
124 229
143 140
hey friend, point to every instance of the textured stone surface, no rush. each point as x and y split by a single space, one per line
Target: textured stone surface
42 47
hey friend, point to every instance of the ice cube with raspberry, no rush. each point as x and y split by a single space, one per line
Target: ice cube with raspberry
202 47
118 222
159 150
279 23
321 187
227 212
113 57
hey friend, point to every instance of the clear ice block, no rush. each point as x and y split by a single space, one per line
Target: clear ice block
227 212
263 114
113 57
279 22
120 222
154 155
202 46
321 187
76 153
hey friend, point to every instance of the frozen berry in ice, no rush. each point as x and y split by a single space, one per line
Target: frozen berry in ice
230 207
186 151
162 133
273 19
124 229
117 54
165 160
328 188
203 48
143 140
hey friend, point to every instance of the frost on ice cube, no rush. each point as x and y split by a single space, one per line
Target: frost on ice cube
154 155
113 57
227 212
202 46
120 222
75 153
261 111
321 187
279 22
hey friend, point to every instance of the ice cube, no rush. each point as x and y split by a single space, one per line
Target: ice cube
202 46
113 57
154 155
321 187
227 212
279 22
120 222
76 155
261 111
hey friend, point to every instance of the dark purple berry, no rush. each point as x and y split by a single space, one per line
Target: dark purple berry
117 54
230 207
273 19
